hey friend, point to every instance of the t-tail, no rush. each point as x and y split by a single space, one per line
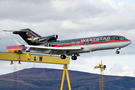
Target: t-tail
29 36
33 38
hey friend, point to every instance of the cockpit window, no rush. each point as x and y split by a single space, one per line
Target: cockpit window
118 38
121 38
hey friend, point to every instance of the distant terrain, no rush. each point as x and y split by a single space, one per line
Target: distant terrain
50 79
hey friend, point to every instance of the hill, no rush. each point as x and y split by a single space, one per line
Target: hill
50 79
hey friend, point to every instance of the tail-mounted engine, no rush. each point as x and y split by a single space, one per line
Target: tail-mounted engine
48 38
33 38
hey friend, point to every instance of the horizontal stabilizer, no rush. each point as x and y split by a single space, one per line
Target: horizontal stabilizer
8 30
18 43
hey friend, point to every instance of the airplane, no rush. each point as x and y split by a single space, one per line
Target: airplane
72 47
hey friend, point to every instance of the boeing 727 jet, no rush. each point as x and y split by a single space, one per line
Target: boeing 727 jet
73 47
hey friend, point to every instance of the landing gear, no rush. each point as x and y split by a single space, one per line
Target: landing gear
63 57
117 51
74 57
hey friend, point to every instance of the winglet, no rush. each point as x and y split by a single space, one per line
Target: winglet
18 43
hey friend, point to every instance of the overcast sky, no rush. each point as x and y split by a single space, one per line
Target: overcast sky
72 19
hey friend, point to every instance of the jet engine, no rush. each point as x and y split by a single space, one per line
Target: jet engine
48 38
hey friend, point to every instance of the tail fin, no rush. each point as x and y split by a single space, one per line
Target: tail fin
29 36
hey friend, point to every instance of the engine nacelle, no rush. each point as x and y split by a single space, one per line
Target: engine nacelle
48 38
52 38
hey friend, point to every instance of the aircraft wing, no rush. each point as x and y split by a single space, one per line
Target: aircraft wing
51 50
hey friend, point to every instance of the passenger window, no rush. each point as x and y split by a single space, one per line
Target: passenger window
120 38
117 38
113 38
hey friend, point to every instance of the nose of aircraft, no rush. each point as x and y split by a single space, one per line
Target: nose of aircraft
129 42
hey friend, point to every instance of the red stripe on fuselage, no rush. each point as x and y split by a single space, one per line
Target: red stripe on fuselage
92 43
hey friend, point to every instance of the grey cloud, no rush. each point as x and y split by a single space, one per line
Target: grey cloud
27 1
84 15
116 68
22 11
93 8
26 10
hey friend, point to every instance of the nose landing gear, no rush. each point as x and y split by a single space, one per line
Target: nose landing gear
117 51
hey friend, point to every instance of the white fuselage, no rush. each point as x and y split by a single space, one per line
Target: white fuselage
101 46
89 44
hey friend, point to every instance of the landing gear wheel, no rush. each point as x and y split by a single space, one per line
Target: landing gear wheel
74 57
117 52
63 57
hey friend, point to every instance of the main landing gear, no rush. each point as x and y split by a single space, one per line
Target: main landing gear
63 56
74 57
